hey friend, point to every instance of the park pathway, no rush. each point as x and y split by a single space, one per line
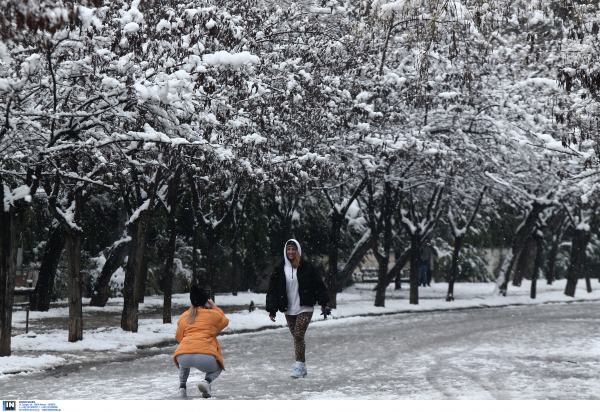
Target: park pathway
529 352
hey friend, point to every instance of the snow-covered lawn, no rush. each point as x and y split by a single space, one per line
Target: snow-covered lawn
54 349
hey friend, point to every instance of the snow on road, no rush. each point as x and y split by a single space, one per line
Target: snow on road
529 352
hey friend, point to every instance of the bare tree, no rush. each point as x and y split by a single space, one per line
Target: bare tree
523 232
12 213
338 216
418 226
381 231
459 237
40 300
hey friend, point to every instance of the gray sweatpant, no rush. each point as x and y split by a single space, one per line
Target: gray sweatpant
202 362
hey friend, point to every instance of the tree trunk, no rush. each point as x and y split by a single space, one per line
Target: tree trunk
11 222
73 244
381 225
414 269
573 274
382 281
235 264
234 267
396 271
523 232
345 274
558 229
523 261
143 278
211 261
334 244
40 300
578 264
133 274
551 265
333 298
74 238
537 264
168 288
195 280
458 240
7 286
398 281
339 278
172 230
453 275
10 232
114 261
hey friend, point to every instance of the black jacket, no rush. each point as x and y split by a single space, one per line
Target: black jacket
310 288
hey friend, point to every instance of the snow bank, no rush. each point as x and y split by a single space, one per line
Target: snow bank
15 364
150 332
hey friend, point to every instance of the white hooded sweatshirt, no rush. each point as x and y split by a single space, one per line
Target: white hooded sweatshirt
291 284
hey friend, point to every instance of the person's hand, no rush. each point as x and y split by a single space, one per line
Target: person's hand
211 304
272 317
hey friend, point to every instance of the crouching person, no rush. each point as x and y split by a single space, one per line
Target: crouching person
198 347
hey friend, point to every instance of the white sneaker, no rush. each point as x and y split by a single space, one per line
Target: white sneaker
297 373
182 393
204 387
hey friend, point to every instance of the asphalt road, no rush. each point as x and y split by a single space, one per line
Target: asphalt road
528 352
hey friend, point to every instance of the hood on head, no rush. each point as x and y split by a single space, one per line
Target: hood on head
285 247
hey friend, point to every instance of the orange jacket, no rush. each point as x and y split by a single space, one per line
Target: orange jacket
201 336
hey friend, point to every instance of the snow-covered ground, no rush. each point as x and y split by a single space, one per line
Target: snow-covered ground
547 351
45 349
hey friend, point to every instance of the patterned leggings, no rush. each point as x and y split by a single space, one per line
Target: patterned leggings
298 325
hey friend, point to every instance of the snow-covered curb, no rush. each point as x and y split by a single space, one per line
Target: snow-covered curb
355 301
16 364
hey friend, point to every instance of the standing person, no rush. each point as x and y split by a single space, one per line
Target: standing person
294 288
198 347
425 256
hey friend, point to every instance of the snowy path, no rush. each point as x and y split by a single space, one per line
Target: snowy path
530 352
